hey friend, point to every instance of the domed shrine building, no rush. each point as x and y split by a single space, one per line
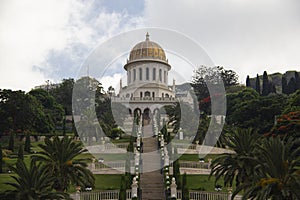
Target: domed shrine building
147 79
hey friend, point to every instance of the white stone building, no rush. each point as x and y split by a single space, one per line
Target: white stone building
147 79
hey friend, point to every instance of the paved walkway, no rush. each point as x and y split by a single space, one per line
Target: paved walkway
151 179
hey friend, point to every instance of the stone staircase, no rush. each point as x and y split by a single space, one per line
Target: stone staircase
151 179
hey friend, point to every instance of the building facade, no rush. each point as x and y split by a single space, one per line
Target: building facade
147 80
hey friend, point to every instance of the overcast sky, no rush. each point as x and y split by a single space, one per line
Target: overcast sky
50 39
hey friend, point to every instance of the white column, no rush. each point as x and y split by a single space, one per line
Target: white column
134 187
173 189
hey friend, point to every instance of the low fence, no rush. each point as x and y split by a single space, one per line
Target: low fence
192 164
202 195
100 195
98 167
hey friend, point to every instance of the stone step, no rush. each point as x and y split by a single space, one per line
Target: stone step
151 179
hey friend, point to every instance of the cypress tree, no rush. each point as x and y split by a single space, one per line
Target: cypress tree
21 153
291 87
266 85
11 142
248 84
122 195
284 85
257 84
176 172
27 143
185 190
1 159
297 79
64 126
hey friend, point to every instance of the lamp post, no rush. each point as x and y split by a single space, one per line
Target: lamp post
201 161
218 188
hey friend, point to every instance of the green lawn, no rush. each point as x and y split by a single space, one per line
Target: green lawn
104 182
202 182
195 157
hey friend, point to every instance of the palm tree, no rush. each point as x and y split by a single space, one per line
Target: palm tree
236 167
33 183
279 165
60 157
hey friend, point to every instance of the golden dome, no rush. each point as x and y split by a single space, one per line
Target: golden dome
147 50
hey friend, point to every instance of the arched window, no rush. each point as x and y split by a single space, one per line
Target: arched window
160 75
165 76
147 74
167 95
129 76
134 74
154 74
141 73
147 94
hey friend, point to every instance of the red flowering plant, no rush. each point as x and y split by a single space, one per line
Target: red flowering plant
286 124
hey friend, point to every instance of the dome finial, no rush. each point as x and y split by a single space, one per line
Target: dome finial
147 36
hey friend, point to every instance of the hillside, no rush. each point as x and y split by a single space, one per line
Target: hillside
275 78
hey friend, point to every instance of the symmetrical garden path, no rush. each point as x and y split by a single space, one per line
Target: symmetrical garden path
151 179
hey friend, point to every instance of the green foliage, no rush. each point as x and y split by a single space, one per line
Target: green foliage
211 76
276 174
51 108
287 125
1 159
32 183
27 147
21 152
247 109
63 94
264 168
248 84
257 84
122 195
184 187
266 85
11 142
60 159
236 167
21 112
181 115
176 172
116 132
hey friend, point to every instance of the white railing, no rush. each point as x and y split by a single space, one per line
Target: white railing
202 195
100 195
192 164
179 195
120 165
184 146
145 99
109 146
112 164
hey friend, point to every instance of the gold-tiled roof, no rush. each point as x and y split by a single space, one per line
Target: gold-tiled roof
147 50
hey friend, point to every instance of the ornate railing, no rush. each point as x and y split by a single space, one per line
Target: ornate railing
100 195
144 99
202 195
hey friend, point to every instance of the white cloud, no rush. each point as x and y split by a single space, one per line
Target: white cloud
28 30
247 36
113 81
49 39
